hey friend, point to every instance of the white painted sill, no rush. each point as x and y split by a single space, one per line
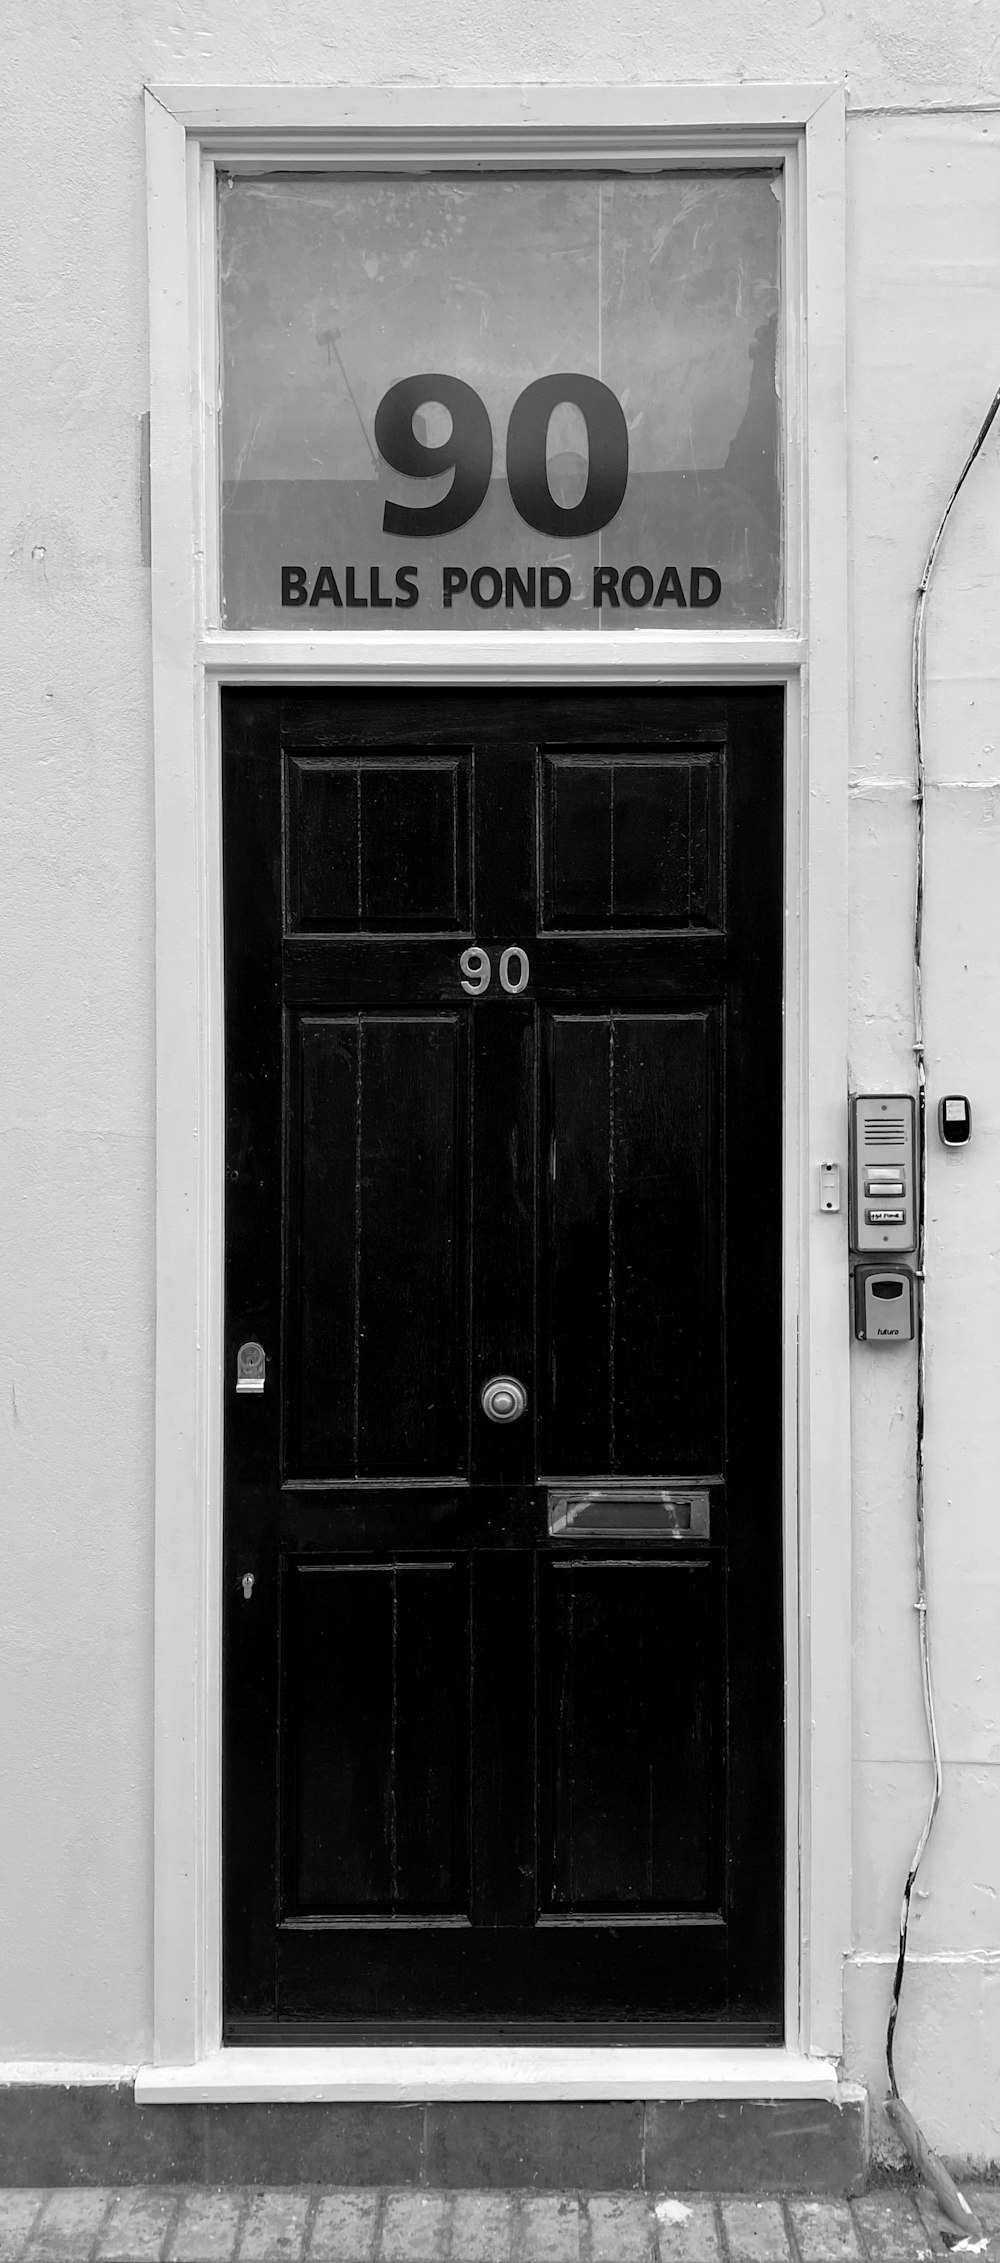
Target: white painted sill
411 2073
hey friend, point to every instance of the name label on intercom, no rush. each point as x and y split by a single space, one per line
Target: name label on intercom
883 1173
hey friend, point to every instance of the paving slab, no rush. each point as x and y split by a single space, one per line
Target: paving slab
274 2228
482 2227
755 2231
824 2231
18 2211
890 2227
687 2227
206 2228
344 2228
69 2224
549 2228
622 2227
940 2230
137 2226
984 2199
415 2227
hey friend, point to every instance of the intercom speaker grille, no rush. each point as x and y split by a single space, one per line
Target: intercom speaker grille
885 1131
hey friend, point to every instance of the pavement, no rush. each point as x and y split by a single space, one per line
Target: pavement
323 2224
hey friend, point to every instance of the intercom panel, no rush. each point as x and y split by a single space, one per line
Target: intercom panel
884 1187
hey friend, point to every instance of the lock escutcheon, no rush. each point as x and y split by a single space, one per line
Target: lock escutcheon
251 1366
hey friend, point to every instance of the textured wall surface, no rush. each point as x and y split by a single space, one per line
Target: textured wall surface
924 362
76 939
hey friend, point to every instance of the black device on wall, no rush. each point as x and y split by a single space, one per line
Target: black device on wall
954 1120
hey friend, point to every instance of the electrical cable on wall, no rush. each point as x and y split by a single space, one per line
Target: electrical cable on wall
950 2199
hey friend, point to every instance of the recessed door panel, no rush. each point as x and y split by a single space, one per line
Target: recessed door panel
633 1312
376 1776
377 1248
377 842
631 841
629 1733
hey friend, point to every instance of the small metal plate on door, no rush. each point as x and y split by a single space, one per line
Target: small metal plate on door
656 1513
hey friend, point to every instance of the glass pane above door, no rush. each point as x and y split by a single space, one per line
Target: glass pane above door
483 402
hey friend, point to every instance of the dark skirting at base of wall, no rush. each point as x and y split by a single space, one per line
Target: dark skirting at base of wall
96 2134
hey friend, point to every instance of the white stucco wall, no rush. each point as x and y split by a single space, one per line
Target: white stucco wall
924 361
76 947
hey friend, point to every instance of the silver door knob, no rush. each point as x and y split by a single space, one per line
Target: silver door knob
503 1399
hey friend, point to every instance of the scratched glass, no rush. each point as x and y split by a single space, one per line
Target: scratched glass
656 299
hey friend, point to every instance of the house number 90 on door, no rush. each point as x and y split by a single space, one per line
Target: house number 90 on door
477 970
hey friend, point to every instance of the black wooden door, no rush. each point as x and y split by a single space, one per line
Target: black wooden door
503 1699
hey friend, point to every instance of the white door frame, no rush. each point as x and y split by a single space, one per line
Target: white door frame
189 134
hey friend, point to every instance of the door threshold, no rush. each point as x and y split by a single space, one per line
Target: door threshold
409 2073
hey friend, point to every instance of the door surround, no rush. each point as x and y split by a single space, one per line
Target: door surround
189 133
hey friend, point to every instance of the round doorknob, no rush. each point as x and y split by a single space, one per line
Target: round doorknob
503 1398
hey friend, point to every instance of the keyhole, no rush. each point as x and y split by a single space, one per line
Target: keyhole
247 1584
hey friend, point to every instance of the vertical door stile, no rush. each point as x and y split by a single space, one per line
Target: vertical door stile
503 1193
255 1061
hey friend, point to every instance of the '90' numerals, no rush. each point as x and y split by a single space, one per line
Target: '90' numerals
468 453
477 971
